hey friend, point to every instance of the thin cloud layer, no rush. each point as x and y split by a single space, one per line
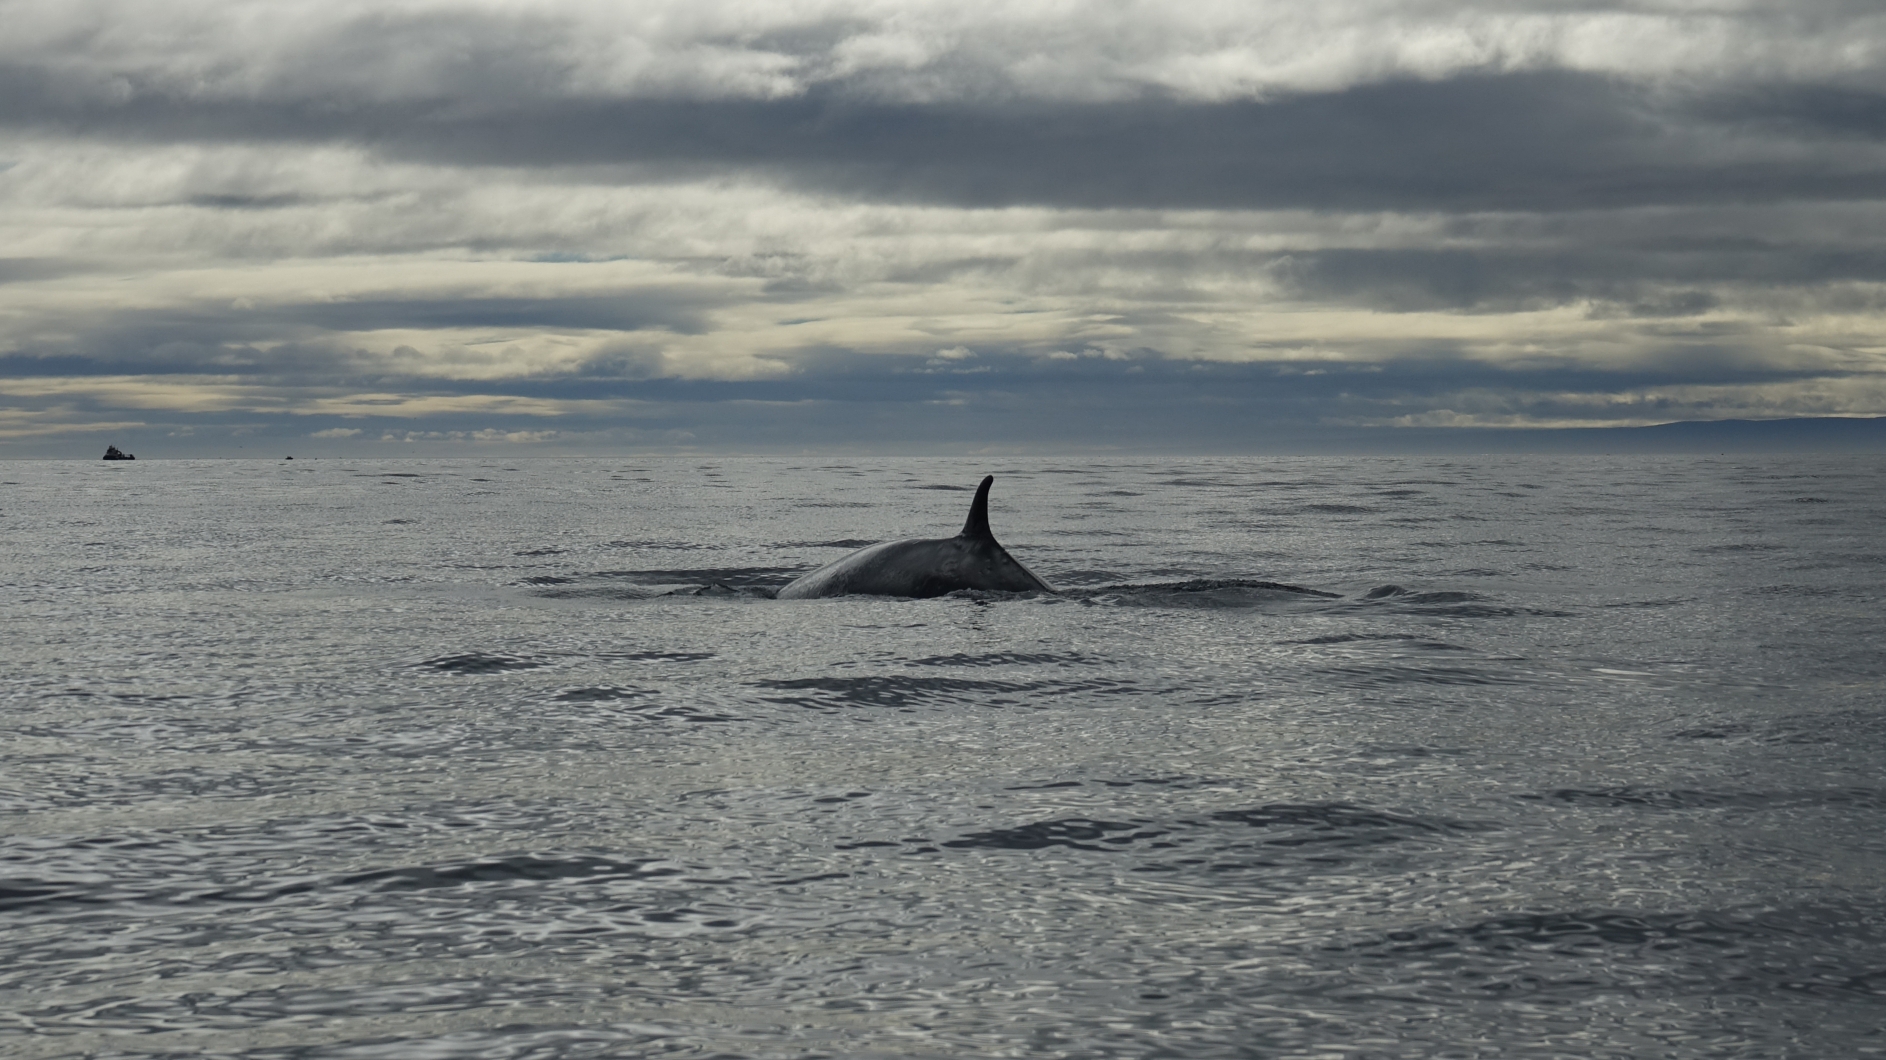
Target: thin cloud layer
777 224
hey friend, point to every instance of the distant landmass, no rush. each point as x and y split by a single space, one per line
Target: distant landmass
1840 434
1819 435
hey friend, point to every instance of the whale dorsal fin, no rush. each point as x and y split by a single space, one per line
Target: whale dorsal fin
977 525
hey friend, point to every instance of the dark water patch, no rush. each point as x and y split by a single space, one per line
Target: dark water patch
1339 509
849 796
886 691
1314 830
1745 547
1811 500
1170 783
1683 799
1569 933
843 542
670 546
25 892
474 663
1074 578
953 489
735 577
1453 604
1410 640
1076 833
1198 592
1007 658
1671 602
1201 482
818 877
1727 731
1798 590
640 704
398 522
832 504
908 692
514 869
541 552
652 656
1118 493
1341 824
1647 798
985 596
1414 750
178 891
546 579
717 589
1605 951
399 474
1401 493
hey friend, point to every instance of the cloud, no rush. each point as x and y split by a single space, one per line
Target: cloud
485 435
472 54
1547 139
570 224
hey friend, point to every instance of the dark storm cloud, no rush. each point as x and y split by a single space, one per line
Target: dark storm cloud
1503 280
1526 141
1802 110
243 341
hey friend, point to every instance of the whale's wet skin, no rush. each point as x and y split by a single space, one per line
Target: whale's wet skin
923 567
1304 758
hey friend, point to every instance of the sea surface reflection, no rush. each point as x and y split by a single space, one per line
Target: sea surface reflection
1360 758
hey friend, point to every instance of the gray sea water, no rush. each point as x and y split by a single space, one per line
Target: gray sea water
1568 757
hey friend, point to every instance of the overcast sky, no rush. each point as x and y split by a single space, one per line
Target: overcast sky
341 226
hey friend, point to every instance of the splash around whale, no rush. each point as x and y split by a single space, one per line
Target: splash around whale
925 567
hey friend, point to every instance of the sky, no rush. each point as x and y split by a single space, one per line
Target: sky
551 227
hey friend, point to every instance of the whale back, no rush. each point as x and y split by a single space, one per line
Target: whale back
925 567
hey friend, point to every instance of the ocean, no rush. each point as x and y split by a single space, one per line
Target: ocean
1491 757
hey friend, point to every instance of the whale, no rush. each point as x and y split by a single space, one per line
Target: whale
924 567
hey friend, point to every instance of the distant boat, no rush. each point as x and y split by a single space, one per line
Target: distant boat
112 452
